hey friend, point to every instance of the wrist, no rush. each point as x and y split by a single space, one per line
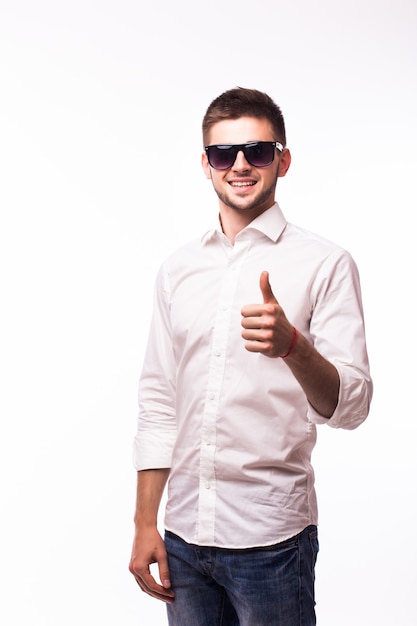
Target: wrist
292 345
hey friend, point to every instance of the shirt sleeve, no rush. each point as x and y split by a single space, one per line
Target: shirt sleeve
156 430
338 331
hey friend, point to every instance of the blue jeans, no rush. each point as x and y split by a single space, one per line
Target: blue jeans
269 586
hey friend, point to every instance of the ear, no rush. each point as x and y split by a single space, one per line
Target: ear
285 162
205 165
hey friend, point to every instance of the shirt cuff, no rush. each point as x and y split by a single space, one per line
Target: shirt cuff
152 451
353 404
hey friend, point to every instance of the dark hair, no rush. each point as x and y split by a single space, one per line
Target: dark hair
241 102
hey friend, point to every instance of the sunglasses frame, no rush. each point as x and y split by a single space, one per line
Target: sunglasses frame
237 147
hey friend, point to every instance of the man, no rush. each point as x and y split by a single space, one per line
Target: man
257 336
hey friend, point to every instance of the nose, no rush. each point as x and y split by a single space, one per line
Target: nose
240 162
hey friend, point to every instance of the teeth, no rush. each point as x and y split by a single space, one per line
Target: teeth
241 184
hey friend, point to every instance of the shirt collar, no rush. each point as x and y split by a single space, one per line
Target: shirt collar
270 223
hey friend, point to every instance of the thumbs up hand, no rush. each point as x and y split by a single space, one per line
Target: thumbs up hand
265 326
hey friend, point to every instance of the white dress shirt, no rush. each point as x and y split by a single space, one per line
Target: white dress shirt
235 427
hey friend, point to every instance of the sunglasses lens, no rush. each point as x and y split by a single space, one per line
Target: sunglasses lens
260 154
221 157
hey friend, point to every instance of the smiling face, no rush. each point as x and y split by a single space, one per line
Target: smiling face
243 187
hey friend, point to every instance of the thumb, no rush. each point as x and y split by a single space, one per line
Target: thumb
266 289
164 573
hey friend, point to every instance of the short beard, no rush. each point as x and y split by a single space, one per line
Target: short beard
254 205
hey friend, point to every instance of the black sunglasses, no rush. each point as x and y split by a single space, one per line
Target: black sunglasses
257 153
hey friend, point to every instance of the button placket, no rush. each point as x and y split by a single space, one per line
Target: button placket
207 492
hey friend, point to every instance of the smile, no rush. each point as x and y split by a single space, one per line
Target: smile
236 183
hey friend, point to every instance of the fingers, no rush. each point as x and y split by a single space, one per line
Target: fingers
148 584
149 549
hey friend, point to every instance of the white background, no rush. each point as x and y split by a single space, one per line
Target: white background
101 103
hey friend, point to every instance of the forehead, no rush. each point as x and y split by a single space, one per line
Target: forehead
242 130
